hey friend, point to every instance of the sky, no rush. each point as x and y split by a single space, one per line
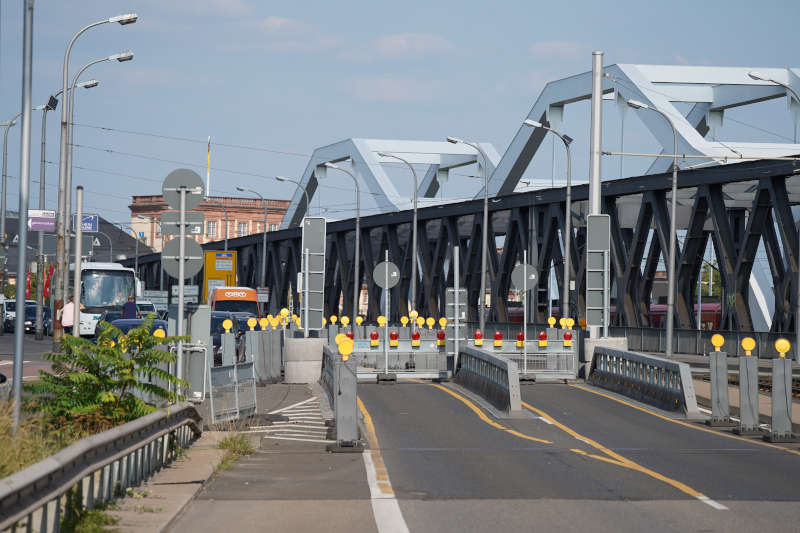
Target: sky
272 81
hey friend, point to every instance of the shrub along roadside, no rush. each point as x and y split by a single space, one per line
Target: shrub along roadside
94 385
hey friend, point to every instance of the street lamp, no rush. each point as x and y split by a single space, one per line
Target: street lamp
63 192
567 140
760 77
264 244
413 231
356 278
302 189
485 237
635 104
7 126
121 57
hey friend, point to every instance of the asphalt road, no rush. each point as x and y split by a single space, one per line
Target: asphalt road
33 350
607 467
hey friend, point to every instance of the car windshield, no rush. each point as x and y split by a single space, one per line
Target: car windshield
106 288
237 306
30 313
11 306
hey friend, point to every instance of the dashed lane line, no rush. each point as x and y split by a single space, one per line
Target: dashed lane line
478 411
618 460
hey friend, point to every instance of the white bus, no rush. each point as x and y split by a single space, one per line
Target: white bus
104 287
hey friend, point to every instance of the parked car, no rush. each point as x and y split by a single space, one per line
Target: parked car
127 324
146 307
30 320
110 316
10 313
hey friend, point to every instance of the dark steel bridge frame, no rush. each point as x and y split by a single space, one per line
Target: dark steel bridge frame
520 220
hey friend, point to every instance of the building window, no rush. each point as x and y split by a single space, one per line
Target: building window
212 228
242 229
273 227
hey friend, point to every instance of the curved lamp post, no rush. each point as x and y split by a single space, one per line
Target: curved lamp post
635 104
356 278
413 233
61 219
485 236
567 140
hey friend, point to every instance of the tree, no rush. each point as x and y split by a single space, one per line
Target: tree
96 383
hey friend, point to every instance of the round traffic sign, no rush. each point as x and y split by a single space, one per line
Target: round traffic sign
386 274
183 178
193 257
518 275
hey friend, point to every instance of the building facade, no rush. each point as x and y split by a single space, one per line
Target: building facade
241 216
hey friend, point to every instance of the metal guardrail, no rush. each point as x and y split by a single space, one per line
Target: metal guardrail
692 341
95 470
490 375
661 382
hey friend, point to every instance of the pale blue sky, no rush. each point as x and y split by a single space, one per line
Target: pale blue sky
289 77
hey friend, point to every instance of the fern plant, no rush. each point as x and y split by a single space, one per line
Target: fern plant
96 383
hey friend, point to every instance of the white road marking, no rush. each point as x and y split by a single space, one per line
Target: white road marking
301 440
711 503
385 508
293 405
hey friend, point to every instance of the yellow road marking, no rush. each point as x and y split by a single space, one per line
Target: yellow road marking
617 458
477 410
682 423
381 475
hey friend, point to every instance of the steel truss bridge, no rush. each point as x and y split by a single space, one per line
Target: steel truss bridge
737 206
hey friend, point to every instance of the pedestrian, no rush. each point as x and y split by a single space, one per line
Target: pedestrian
68 316
129 310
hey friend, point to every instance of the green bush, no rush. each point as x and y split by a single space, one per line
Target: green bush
93 384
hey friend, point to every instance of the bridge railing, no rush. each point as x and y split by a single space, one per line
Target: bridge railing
492 376
692 341
664 383
95 470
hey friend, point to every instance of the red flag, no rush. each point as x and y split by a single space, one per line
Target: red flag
28 286
47 282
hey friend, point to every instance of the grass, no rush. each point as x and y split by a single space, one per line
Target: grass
34 441
237 445
94 521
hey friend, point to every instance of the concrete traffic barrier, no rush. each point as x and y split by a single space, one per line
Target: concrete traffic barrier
720 406
340 382
781 427
748 391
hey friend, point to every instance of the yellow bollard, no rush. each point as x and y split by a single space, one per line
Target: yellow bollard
782 346
748 343
717 341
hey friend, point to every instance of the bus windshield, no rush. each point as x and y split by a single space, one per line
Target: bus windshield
106 288
237 306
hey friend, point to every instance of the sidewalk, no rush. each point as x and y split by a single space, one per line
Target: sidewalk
290 483
154 505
